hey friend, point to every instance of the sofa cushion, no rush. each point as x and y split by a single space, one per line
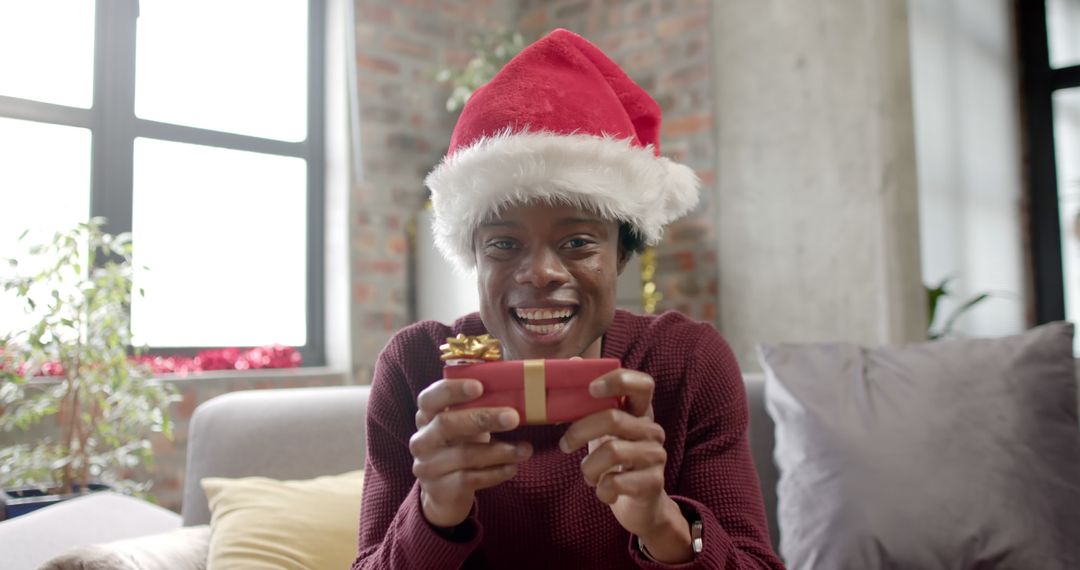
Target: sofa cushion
951 454
181 549
258 522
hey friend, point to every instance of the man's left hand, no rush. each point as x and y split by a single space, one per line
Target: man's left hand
626 463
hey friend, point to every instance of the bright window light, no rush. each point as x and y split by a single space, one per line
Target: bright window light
44 188
238 66
1067 143
1063 31
47 51
224 235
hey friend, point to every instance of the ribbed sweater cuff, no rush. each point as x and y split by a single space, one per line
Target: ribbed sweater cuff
426 547
717 546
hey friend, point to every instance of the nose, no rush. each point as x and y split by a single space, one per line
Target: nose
542 269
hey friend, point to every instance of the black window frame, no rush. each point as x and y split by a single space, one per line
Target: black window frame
114 128
1038 82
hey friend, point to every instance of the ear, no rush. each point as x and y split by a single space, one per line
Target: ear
624 257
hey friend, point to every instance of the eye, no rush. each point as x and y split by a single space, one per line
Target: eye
502 244
576 243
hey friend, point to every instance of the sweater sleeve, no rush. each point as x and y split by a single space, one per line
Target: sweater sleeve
717 480
393 530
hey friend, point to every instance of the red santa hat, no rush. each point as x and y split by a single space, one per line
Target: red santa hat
559 123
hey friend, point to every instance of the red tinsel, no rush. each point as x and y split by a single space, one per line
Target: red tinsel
260 357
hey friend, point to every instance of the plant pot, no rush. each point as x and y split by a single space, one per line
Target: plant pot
21 500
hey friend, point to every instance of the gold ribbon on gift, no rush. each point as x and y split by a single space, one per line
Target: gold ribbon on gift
535 392
484 348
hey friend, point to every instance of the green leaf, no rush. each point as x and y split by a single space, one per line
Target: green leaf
959 312
933 296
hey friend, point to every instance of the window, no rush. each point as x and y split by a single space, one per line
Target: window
1049 34
197 126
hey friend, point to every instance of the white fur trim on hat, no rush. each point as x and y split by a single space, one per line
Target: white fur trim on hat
611 177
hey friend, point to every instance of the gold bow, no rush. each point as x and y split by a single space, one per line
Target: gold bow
461 347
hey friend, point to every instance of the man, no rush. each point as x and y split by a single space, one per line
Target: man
552 181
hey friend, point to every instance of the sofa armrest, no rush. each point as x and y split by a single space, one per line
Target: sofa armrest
26 542
292 433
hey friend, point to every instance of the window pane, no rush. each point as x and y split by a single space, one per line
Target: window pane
223 233
238 66
1063 29
45 57
1067 149
44 188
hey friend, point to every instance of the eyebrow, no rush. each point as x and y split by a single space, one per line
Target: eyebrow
561 222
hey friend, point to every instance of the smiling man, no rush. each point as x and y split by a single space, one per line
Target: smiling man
552 181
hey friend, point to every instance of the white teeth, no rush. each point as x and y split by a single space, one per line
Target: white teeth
539 314
544 329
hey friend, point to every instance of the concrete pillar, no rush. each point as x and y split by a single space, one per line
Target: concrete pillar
817 213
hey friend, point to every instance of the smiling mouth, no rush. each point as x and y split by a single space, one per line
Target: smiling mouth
544 321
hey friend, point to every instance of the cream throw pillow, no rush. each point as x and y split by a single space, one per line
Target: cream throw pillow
265 523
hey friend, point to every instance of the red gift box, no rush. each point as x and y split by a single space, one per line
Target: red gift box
542 391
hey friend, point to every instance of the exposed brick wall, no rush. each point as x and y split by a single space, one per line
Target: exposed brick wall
404 132
665 46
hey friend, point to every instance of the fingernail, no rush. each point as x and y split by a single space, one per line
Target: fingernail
472 389
598 389
522 451
564 445
508 418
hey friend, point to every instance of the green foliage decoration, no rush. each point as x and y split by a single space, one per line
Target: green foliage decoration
73 363
490 53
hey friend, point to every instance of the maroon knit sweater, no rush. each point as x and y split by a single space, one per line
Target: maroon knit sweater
547 516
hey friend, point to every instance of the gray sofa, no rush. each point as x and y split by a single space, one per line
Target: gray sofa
295 433
304 432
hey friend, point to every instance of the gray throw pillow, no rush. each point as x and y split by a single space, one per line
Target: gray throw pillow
957 454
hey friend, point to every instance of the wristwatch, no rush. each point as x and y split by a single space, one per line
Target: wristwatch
696 541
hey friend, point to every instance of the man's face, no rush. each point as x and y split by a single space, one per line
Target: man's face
547 280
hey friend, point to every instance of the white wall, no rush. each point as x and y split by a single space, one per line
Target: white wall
442 293
967 138
816 210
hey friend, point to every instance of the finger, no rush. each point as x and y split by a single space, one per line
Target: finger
445 393
644 484
423 419
609 422
621 456
470 456
636 387
595 443
472 479
456 426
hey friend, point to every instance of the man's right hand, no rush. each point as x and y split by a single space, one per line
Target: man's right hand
453 455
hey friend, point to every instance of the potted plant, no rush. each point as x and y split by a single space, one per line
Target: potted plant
490 54
934 295
73 363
